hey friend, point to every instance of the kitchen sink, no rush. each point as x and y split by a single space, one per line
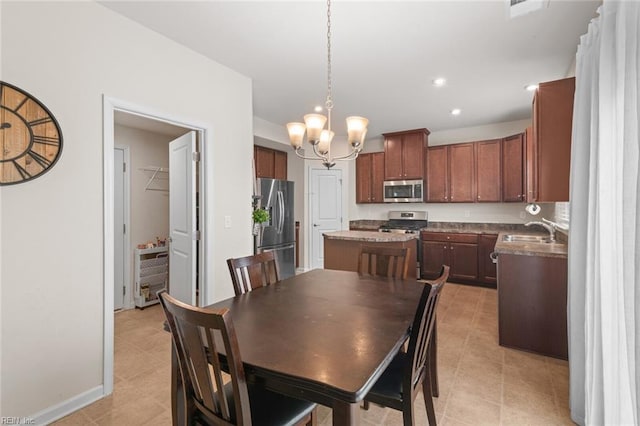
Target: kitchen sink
517 238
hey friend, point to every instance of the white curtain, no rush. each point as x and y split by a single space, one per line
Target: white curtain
604 244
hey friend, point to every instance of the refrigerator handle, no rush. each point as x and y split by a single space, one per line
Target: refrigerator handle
282 212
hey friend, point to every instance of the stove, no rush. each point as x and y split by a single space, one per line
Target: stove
405 222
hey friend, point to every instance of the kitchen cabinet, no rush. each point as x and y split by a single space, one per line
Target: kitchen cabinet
550 145
487 271
532 304
513 170
370 177
404 154
459 251
451 173
270 163
489 171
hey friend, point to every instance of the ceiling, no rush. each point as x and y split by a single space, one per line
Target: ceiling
385 55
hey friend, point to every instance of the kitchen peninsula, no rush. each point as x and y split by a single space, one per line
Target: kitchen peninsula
341 248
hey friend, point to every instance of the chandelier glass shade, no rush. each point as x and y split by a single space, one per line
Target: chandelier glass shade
314 124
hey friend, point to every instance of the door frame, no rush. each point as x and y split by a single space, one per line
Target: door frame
126 206
110 105
311 165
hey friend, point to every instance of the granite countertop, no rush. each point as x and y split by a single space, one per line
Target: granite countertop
557 249
372 236
476 228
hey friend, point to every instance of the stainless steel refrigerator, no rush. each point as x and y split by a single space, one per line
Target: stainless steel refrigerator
278 234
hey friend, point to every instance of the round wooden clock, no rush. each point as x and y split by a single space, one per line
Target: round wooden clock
30 137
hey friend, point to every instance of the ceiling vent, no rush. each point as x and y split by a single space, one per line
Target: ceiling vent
522 7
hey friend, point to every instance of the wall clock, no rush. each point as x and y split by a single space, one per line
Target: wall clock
30 137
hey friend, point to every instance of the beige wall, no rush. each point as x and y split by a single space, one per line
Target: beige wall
69 55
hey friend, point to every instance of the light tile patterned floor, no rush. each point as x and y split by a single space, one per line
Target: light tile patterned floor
481 383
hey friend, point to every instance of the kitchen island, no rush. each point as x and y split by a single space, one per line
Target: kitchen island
341 248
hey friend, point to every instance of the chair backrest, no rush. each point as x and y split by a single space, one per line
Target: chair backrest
422 330
250 272
197 332
384 261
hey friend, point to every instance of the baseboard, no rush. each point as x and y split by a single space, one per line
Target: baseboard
58 411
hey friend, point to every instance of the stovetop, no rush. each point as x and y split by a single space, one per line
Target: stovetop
405 222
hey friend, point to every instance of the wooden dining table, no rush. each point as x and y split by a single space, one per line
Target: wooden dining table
325 336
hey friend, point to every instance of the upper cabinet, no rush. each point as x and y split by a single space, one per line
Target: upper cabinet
462 159
513 170
404 154
437 174
488 171
270 163
370 177
550 144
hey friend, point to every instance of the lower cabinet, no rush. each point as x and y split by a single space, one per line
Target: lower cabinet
464 253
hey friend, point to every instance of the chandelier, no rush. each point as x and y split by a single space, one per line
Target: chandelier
319 137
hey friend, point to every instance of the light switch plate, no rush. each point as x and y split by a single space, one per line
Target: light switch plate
227 221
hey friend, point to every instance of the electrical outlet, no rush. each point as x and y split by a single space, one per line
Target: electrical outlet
467 213
522 215
227 221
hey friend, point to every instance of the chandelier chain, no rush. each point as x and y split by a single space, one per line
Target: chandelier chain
329 102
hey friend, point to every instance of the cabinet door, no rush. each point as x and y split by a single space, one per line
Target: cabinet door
488 171
531 164
437 170
377 177
264 162
486 268
413 155
363 178
280 165
463 260
461 173
434 255
393 158
554 115
513 168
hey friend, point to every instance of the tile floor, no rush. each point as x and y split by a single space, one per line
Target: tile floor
481 383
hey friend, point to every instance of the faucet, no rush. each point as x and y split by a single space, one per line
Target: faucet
548 226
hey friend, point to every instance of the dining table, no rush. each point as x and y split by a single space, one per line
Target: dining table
324 335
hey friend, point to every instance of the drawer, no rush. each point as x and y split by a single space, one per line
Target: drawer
449 237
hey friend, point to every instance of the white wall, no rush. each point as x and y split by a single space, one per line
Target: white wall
453 212
68 55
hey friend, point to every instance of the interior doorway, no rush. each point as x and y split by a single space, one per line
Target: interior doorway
325 209
156 176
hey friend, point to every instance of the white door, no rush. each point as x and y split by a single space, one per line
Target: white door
182 218
326 210
119 230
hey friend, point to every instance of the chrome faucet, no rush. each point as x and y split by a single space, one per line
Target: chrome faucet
548 227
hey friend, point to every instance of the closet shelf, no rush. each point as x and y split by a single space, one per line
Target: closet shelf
156 170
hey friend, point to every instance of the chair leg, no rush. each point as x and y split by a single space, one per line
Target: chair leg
365 405
428 400
313 418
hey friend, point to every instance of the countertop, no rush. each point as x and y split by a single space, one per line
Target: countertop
372 236
557 249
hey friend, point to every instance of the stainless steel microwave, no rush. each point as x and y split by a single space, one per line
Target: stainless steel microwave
403 191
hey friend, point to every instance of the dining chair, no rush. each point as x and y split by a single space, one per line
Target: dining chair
251 272
398 386
214 397
384 261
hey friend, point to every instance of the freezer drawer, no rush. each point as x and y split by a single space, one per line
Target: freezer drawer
285 257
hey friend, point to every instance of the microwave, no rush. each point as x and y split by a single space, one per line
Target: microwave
403 191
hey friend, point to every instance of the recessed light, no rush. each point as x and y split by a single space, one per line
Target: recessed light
531 87
318 108
456 111
439 82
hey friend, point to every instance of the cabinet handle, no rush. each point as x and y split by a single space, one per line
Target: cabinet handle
478 197
451 247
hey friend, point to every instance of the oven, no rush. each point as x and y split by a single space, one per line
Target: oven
408 222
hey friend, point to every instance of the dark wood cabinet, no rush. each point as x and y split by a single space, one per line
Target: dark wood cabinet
488 171
370 177
459 251
404 154
437 174
551 140
270 163
532 304
513 171
462 188
487 271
